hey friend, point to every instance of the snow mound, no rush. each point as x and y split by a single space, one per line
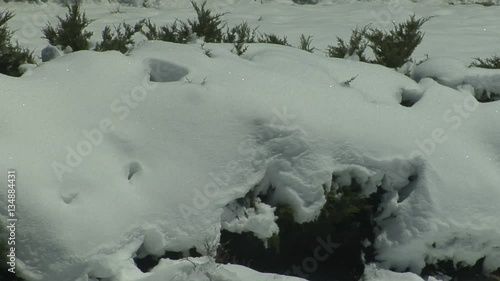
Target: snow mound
124 164
258 220
482 83
372 273
202 269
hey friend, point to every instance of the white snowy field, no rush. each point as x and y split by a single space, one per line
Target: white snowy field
122 156
459 31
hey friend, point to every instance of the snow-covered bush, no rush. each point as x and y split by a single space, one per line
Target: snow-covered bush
392 49
302 2
210 27
242 34
119 40
356 46
344 204
207 24
482 83
486 3
142 3
70 31
345 221
178 32
239 35
11 55
305 43
273 39
491 63
50 52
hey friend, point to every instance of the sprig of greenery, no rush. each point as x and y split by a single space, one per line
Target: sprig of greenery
70 31
305 43
120 40
11 55
391 48
490 63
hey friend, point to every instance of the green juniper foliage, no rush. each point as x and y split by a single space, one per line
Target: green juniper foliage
239 35
207 24
11 55
210 26
490 63
70 31
285 212
119 40
273 39
344 204
305 43
208 52
394 48
178 32
357 45
274 242
348 82
391 49
304 2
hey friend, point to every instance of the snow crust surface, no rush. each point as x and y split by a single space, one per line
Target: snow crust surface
123 156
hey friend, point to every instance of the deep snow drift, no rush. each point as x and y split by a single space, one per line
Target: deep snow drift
111 164
122 156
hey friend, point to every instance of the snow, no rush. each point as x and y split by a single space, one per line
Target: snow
372 273
200 269
444 34
50 52
258 220
453 73
122 156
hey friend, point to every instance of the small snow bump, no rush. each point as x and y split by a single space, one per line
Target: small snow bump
50 52
69 198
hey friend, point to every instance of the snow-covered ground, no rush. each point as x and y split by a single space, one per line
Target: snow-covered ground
459 31
111 165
